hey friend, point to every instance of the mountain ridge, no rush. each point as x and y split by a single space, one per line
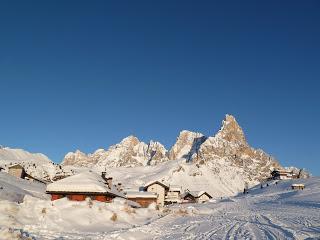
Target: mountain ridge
229 144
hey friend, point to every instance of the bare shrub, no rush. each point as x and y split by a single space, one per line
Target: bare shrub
44 211
166 210
129 210
182 212
114 217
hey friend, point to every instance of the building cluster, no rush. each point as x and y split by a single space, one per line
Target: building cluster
91 185
278 174
162 194
101 188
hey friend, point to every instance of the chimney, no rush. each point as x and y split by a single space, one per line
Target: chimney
109 182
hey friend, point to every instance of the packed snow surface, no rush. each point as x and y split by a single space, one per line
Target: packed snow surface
272 212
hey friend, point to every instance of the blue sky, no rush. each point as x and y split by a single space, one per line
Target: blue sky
85 74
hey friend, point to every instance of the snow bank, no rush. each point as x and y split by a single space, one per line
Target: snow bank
36 215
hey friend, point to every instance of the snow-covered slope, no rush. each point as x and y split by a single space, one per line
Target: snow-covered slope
14 189
273 212
227 182
37 165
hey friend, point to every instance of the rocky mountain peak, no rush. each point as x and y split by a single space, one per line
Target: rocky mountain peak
130 141
229 145
186 145
77 158
231 131
227 148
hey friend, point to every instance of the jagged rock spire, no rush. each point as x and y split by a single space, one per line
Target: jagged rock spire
231 131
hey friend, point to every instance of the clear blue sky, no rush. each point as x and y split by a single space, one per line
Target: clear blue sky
85 74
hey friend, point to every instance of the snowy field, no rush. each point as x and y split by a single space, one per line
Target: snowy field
274 212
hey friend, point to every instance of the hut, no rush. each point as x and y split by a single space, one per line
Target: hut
17 170
187 197
195 197
144 199
203 196
159 188
81 186
297 186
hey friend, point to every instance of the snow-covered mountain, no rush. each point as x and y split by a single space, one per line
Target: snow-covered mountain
18 155
229 147
130 152
225 160
37 165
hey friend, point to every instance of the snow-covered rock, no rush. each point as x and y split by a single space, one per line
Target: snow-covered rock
187 144
227 153
129 152
230 145
78 158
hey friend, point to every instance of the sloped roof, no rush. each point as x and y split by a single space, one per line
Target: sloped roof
186 194
196 194
16 165
85 182
156 182
175 188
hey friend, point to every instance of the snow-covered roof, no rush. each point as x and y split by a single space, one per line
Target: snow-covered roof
85 182
156 182
175 188
197 194
141 194
297 185
16 165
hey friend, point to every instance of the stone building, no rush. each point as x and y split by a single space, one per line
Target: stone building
159 188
